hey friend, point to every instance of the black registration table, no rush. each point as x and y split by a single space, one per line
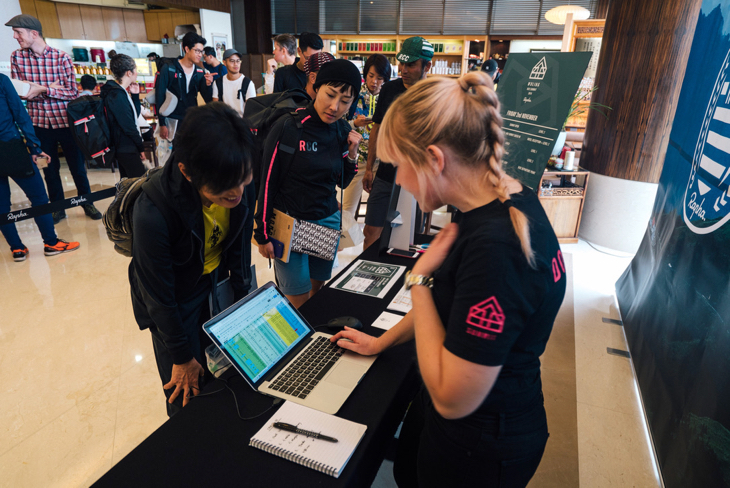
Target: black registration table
207 444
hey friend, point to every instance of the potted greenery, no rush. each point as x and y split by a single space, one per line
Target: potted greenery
581 104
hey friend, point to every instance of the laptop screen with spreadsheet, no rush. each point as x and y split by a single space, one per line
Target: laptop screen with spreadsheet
258 331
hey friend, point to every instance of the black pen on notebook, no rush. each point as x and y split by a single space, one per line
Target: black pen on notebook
308 433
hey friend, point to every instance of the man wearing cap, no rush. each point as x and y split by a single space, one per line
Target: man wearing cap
491 68
415 60
52 85
312 67
288 77
234 88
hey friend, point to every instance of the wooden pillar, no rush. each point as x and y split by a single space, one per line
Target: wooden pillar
258 26
602 9
643 58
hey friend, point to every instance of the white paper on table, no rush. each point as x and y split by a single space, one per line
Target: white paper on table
401 302
387 320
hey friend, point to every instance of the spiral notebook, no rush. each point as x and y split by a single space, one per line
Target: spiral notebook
324 456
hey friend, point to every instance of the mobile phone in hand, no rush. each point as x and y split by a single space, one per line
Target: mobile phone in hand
41 162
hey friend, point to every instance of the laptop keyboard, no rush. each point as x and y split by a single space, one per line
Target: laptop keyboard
301 376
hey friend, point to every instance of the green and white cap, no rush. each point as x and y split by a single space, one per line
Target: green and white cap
415 48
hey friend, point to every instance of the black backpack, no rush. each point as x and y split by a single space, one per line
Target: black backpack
90 129
262 112
118 217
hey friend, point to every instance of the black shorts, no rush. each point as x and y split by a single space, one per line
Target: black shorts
378 202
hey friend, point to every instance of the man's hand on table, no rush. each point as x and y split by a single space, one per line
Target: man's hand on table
185 380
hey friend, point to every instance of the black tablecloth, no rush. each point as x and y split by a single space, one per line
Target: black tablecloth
207 444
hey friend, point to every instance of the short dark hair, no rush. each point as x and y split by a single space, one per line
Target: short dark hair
381 65
153 55
345 88
288 42
120 64
221 166
310 39
209 51
190 39
88 82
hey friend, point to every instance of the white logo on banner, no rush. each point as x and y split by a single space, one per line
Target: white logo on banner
707 198
539 70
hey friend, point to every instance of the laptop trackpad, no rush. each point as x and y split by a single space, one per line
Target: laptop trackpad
346 374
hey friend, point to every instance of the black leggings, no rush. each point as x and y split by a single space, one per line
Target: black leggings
503 450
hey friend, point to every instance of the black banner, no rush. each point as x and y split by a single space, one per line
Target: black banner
674 296
31 212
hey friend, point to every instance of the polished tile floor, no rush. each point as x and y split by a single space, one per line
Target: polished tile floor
80 388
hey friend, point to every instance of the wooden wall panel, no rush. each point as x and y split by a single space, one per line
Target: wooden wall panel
93 21
69 18
134 22
178 18
166 25
218 5
46 13
27 7
152 26
114 24
643 58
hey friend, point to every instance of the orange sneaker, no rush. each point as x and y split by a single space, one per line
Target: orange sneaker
61 246
20 254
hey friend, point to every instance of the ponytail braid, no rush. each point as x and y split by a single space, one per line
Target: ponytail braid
463 115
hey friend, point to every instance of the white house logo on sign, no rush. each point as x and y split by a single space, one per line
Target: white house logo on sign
539 70
707 198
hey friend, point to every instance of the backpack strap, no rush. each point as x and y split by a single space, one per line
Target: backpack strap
219 85
289 143
244 88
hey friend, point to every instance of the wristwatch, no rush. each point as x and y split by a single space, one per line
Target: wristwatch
413 279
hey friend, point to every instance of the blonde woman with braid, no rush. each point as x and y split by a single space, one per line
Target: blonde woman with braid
485 294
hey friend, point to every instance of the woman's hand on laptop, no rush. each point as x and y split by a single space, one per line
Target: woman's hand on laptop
356 341
185 379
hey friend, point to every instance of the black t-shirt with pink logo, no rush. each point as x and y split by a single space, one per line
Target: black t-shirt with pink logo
497 310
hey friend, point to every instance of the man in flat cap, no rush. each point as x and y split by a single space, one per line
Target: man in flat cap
52 85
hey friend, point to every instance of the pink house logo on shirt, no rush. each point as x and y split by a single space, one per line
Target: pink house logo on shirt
486 315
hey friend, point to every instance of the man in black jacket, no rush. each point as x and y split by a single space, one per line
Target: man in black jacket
122 110
184 79
192 225
293 76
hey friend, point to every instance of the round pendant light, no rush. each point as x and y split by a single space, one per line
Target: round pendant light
557 15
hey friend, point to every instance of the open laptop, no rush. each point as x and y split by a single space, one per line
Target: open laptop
279 354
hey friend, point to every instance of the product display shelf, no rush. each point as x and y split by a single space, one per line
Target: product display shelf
564 201
384 53
449 49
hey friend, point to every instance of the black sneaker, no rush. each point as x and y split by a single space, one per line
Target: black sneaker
91 211
20 254
58 216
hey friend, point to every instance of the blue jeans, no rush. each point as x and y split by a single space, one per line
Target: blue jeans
36 193
50 139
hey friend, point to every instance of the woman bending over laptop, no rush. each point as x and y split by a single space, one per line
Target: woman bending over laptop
485 294
192 225
303 185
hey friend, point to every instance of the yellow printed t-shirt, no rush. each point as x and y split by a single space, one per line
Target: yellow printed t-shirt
217 221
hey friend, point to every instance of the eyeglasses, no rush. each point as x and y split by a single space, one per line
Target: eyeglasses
198 51
234 61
